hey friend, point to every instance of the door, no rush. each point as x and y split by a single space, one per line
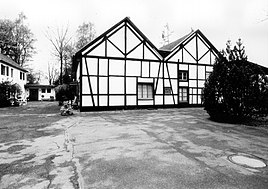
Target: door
33 95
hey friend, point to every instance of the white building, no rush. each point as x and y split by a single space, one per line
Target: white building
38 92
13 72
122 69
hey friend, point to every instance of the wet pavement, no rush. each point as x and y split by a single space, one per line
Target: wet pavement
165 148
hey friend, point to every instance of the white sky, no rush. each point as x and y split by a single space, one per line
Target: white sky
219 20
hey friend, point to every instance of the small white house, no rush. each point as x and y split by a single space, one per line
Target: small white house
37 92
13 72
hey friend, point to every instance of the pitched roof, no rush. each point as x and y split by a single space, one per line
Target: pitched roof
10 62
172 45
264 69
169 49
127 20
102 36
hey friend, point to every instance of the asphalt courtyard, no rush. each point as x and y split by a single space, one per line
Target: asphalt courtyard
139 149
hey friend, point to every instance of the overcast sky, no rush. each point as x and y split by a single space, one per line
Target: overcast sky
219 20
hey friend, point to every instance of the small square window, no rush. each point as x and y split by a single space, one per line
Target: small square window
48 90
183 75
167 90
43 90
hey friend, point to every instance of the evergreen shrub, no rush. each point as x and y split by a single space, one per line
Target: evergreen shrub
236 90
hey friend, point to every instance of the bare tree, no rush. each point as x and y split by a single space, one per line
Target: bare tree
85 34
60 40
52 73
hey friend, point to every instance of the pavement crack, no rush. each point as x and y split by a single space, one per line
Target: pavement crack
76 179
48 167
56 144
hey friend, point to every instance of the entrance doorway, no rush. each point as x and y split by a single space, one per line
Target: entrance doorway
33 95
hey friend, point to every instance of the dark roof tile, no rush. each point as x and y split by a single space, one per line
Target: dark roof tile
172 45
10 62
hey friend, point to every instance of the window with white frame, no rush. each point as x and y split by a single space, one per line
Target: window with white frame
145 90
183 94
183 75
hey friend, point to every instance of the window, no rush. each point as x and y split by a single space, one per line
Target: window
145 90
183 75
48 90
7 71
3 70
22 76
43 90
167 90
11 70
183 94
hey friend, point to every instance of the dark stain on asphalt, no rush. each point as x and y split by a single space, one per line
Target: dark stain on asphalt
16 148
18 166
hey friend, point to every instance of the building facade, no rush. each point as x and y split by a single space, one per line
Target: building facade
38 92
122 69
11 71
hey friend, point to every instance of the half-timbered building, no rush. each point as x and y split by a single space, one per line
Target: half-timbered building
122 69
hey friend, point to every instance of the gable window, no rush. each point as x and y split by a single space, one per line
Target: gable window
167 90
48 90
3 70
145 90
183 75
43 90
183 94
